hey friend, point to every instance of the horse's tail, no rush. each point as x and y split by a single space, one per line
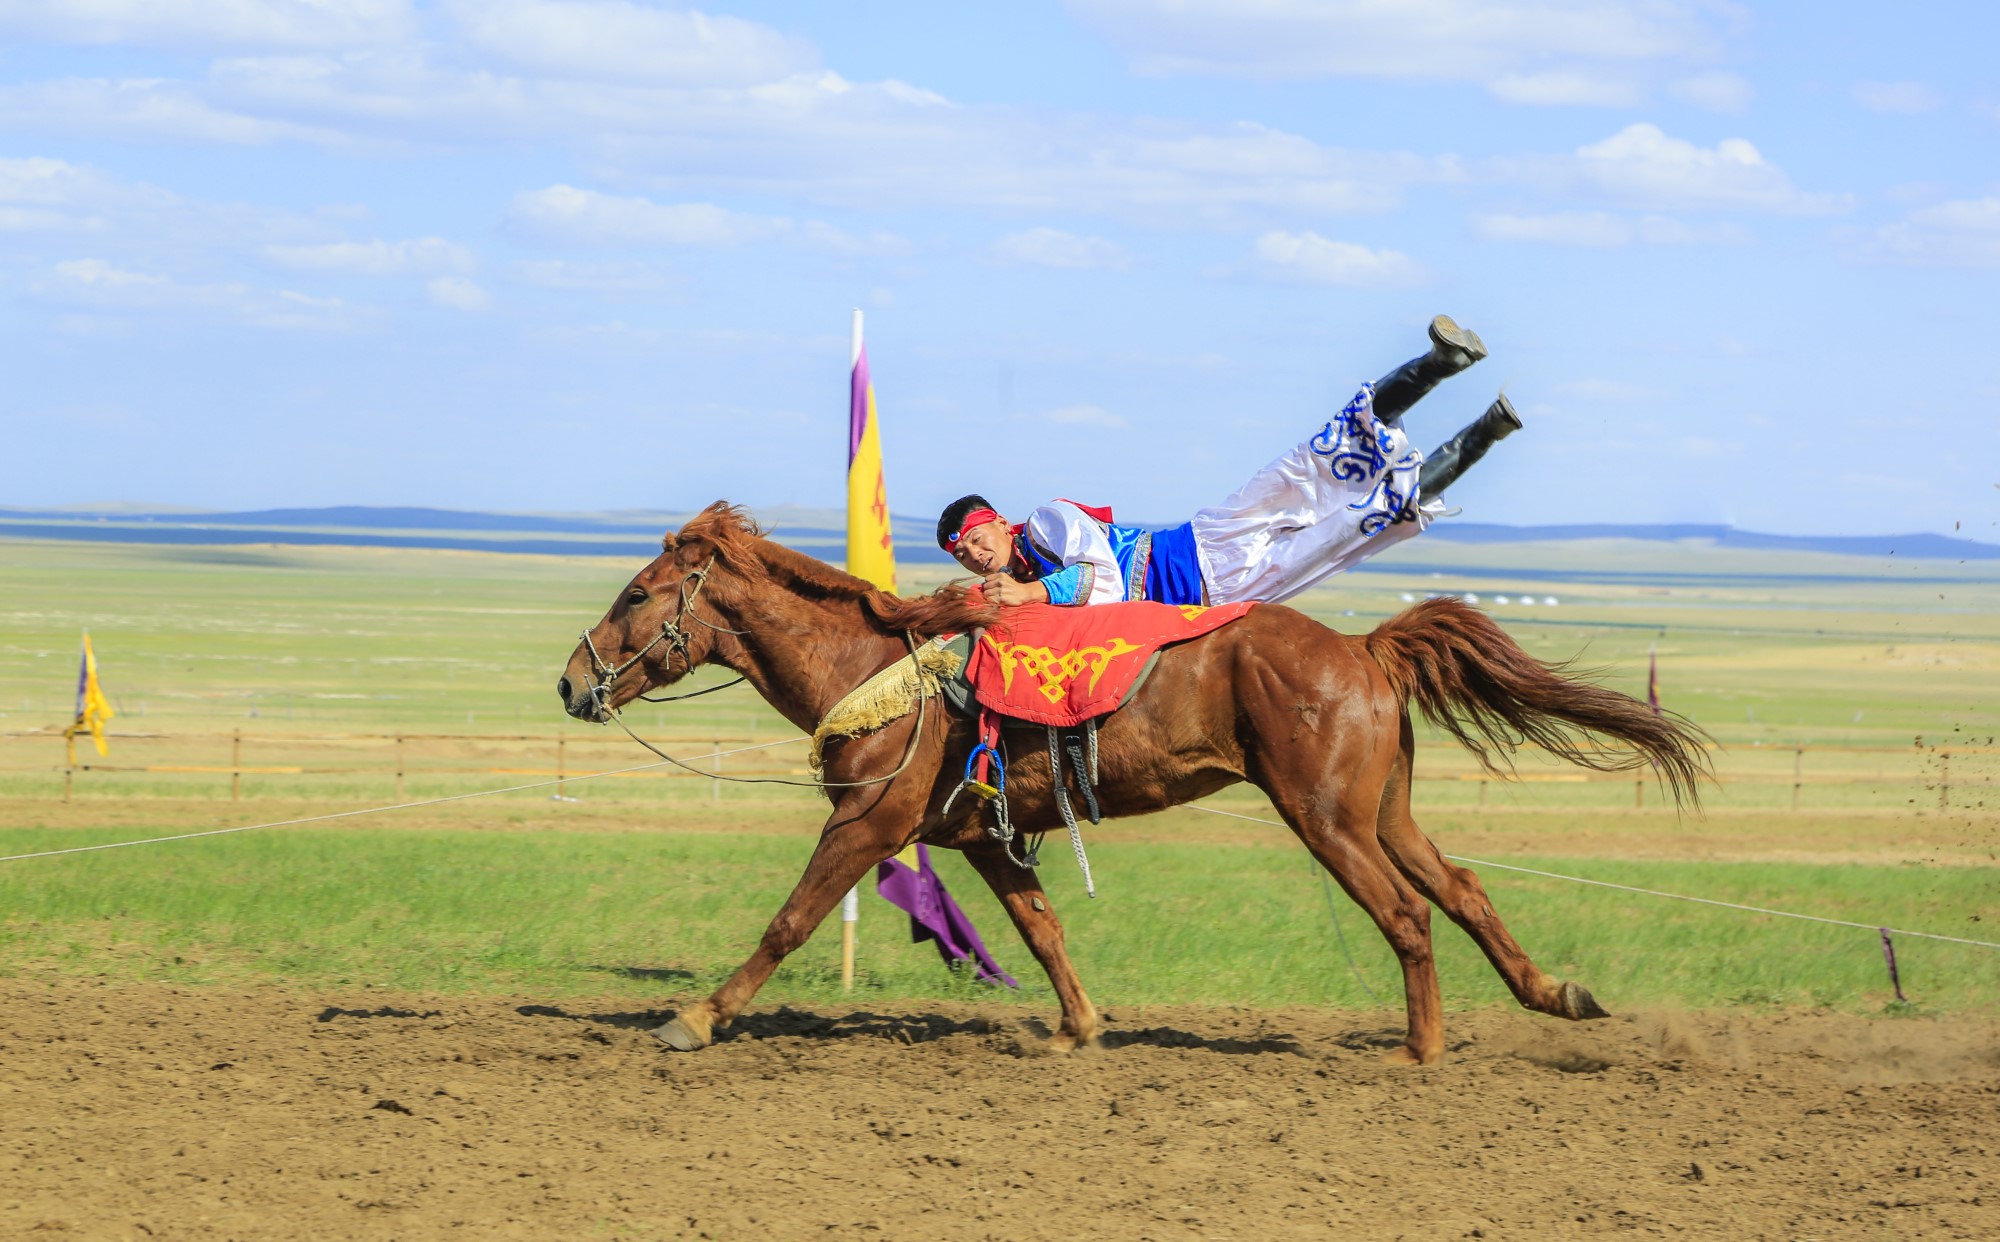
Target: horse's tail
1470 679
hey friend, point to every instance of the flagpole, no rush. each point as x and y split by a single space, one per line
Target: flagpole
850 905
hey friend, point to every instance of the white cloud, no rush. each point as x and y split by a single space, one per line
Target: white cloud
208 23
99 285
613 40
38 193
1046 247
586 217
1567 86
1716 91
98 274
1604 229
458 293
132 224
1959 233
1642 165
416 256
1309 259
1898 98
142 109
563 214
1085 416
816 136
826 237
617 276
1457 40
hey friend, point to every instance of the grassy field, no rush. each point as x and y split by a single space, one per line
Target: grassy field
1886 676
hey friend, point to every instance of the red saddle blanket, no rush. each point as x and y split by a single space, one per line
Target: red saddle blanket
1063 666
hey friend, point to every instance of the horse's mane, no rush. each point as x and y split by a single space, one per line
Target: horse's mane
741 544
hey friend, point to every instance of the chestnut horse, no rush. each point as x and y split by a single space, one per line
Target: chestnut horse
1315 719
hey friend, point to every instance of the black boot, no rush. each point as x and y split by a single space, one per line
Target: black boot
1452 350
1455 456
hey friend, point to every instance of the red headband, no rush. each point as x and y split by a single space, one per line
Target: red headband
978 517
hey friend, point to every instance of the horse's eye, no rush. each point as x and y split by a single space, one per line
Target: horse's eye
637 597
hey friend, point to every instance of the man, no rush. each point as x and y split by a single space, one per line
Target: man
1345 494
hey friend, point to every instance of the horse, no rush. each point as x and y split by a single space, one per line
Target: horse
1317 720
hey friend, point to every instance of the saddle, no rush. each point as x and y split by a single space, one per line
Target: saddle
1060 669
1063 669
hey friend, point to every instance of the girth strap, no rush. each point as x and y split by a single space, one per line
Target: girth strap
1076 742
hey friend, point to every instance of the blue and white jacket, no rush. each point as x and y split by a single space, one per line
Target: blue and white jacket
1081 557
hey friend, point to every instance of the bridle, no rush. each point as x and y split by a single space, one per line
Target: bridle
676 637
672 633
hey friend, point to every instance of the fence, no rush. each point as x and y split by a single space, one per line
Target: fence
387 762
1795 777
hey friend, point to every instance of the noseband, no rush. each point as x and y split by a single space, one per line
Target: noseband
672 633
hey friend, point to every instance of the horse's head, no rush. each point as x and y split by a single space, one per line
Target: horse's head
662 625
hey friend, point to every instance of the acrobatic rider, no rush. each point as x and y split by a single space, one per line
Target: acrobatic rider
1347 493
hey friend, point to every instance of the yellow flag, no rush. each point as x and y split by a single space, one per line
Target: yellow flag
871 554
92 708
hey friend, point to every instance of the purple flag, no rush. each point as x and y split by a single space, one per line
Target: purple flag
934 916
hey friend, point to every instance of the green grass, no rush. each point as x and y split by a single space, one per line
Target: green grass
559 914
1767 651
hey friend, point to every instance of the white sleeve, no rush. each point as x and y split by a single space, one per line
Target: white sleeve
1075 538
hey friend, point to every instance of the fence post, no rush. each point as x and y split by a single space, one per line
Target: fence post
715 765
399 767
69 777
1944 780
562 763
1798 774
236 766
1639 792
1482 791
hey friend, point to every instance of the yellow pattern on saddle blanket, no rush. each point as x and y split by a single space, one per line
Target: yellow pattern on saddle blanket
888 696
1056 669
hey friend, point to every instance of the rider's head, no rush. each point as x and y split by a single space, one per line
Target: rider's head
976 535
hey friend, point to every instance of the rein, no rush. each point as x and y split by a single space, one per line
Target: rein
677 639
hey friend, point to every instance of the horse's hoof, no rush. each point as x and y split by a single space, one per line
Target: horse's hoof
1579 1005
1403 1054
677 1035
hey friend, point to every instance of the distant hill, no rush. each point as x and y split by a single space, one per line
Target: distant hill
1922 545
635 532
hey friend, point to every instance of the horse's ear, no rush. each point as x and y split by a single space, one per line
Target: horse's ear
668 542
687 549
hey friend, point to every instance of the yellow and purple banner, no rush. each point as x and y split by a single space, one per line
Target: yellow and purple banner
92 708
870 553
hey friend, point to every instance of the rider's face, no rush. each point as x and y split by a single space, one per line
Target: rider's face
987 548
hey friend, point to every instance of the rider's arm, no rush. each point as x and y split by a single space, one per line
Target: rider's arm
1090 572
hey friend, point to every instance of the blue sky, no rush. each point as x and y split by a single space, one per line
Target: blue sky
1735 263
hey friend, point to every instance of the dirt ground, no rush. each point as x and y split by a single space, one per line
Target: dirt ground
145 1112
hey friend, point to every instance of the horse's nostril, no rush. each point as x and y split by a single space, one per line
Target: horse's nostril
562 688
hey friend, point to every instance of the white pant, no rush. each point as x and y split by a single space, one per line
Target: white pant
1332 502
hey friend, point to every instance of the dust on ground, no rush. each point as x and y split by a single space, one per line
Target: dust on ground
148 1112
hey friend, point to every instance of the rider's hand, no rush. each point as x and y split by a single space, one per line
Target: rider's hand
1002 589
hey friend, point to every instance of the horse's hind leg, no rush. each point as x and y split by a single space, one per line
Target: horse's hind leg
1343 839
1462 897
1020 891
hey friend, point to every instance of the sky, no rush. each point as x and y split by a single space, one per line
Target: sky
1735 262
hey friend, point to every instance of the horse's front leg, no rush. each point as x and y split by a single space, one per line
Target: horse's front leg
844 855
1020 891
